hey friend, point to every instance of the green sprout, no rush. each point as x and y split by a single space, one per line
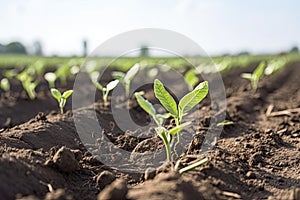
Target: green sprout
10 73
189 101
62 73
50 78
28 84
127 78
191 79
255 76
30 88
4 85
37 68
61 98
105 90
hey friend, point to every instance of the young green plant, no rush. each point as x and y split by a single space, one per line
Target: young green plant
105 90
61 97
127 78
187 103
50 77
163 133
4 85
28 84
191 79
255 76
62 73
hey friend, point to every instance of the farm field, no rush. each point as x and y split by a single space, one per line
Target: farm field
44 157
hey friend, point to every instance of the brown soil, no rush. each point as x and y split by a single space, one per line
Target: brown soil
42 156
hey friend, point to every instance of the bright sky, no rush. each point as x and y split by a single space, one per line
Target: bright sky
226 26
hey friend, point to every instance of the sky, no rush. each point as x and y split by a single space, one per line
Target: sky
218 26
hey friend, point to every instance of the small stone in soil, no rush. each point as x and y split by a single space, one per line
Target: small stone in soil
65 160
115 191
149 173
255 159
250 175
104 178
59 194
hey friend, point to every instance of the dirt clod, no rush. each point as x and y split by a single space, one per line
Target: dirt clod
65 160
59 194
149 173
105 178
115 191
250 175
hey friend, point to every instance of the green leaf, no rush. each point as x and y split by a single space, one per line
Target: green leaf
111 85
247 76
191 99
4 84
165 98
145 104
67 93
10 73
176 129
163 134
164 116
118 75
259 71
50 76
98 85
56 94
191 79
94 76
132 72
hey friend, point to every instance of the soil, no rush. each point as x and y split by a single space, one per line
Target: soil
42 156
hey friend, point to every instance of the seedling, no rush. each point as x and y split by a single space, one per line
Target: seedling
189 101
4 85
28 84
62 73
255 76
10 73
61 98
191 79
105 90
30 88
274 66
127 78
37 67
50 78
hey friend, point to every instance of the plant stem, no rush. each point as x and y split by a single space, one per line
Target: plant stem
178 122
127 88
105 94
61 110
168 151
166 144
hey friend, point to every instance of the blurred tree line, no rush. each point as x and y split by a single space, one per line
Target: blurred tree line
18 48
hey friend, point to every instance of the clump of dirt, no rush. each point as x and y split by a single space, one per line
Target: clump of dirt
116 190
65 160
